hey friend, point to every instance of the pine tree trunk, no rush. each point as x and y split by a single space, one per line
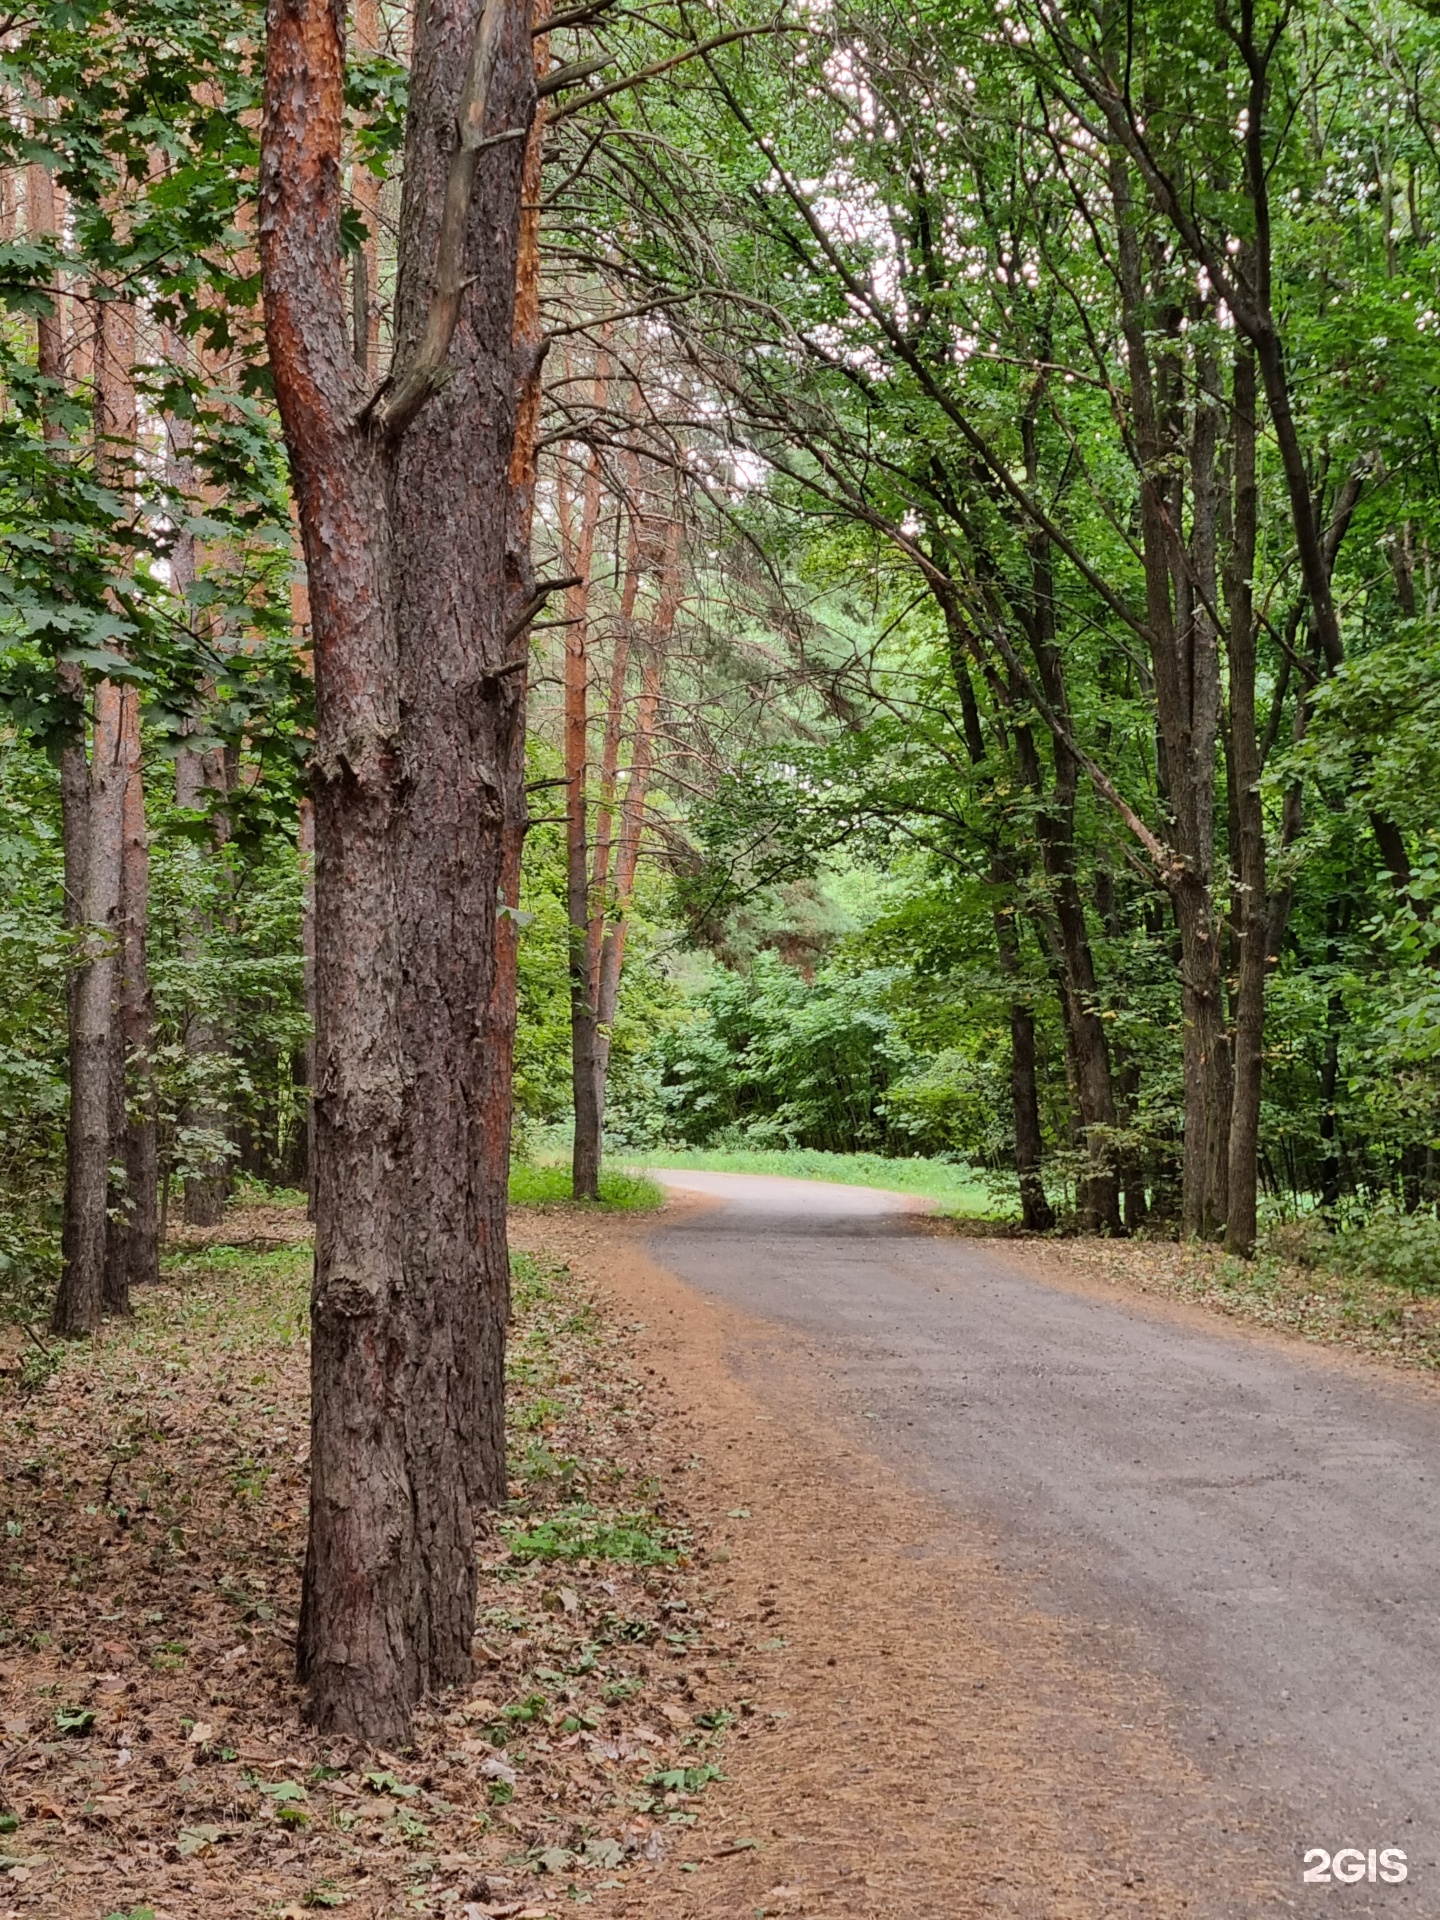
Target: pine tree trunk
305 839
405 514
79 1303
579 544
134 1253
199 779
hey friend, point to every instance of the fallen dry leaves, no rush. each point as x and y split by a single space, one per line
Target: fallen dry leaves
1384 1322
153 1510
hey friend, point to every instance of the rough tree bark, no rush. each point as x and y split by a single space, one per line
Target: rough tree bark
578 541
79 1302
305 848
405 513
133 1256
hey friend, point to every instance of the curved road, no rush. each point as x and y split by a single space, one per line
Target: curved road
1253 1524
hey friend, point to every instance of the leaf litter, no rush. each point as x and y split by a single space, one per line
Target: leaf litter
153 1760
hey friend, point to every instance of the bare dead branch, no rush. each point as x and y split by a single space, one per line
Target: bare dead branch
397 404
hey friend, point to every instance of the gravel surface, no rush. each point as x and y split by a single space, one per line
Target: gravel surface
1246 1523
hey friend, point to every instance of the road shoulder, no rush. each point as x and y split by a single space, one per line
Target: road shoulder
926 1741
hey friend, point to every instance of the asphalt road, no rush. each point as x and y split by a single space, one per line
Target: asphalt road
1253 1525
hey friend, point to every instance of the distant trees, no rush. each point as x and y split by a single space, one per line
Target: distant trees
1078 339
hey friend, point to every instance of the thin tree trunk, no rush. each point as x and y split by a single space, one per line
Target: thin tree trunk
365 194
1037 1215
627 859
201 781
579 557
1248 856
632 814
134 1255
1098 1191
614 729
90 828
528 342
305 847
132 1251
1185 662
80 1301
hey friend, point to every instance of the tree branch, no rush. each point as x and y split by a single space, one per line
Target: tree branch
398 402
711 45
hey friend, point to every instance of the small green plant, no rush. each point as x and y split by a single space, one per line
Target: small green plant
39 1364
248 1479
616 1691
386 1782
525 1712
683 1779
633 1539
288 1798
75 1720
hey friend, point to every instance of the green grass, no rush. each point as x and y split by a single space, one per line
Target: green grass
636 1539
955 1189
534 1186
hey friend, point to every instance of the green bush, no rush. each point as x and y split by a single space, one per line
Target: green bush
1398 1249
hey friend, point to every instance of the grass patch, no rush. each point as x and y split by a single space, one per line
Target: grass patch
631 1539
957 1190
539 1186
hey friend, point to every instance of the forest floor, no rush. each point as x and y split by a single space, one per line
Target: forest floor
726 1666
153 1761
1284 1296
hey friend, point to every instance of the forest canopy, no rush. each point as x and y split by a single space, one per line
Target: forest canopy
894 609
